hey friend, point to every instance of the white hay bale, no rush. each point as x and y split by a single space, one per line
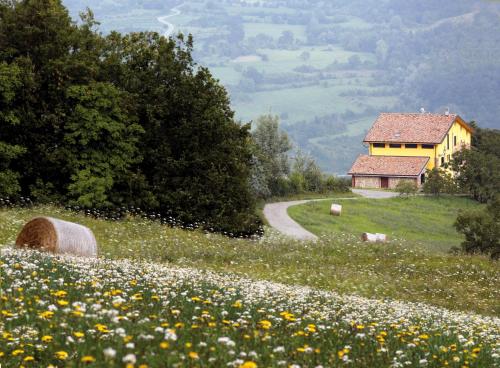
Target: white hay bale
336 210
374 238
58 236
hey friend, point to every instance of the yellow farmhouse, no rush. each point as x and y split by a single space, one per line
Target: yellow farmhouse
404 146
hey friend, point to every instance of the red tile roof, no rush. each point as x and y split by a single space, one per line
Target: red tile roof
388 165
411 128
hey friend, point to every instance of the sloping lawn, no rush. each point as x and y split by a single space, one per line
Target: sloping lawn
425 220
400 270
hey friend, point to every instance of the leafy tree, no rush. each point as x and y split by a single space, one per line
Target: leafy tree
481 229
10 84
117 120
477 173
272 146
100 142
439 181
305 166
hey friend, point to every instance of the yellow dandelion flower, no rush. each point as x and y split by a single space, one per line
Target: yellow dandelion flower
6 313
47 338
238 304
143 366
17 352
249 365
78 334
265 324
164 345
127 339
29 358
88 359
46 315
101 328
62 302
62 355
193 355
60 294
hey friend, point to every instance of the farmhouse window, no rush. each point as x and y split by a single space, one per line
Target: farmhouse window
393 145
379 145
442 160
410 146
427 146
455 140
447 141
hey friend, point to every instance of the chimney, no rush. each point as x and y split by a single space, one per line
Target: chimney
447 112
422 110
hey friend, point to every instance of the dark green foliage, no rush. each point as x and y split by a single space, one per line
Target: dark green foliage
100 142
481 229
405 188
116 121
10 84
439 181
478 169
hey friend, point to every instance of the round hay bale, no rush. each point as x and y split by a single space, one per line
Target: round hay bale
335 209
57 236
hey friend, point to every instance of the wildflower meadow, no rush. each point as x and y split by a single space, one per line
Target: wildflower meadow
62 311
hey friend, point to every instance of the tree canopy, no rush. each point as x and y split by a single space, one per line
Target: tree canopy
117 120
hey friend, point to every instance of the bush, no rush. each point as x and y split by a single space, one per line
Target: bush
481 229
406 188
438 182
335 184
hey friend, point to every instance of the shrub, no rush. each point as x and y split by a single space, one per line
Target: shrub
405 188
438 182
481 229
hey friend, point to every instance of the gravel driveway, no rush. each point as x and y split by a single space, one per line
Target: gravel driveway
277 216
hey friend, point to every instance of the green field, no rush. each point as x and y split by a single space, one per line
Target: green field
403 270
427 221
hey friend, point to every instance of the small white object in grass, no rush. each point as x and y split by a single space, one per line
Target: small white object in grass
374 238
335 209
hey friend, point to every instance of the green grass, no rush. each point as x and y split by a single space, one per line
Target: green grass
401 270
427 221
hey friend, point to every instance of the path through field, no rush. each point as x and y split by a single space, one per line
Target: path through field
276 214
170 27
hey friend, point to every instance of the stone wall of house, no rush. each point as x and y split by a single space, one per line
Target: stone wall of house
366 182
375 181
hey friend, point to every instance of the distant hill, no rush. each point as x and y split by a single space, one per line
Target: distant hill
328 68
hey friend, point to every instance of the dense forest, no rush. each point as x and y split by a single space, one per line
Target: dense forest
327 68
117 120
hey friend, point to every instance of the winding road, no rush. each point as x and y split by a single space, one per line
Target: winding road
163 19
276 214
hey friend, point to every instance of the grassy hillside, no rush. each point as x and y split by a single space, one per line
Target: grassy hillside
427 221
402 270
103 313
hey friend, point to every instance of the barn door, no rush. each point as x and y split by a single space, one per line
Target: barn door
384 182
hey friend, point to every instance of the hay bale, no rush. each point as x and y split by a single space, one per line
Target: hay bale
336 210
374 238
57 236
